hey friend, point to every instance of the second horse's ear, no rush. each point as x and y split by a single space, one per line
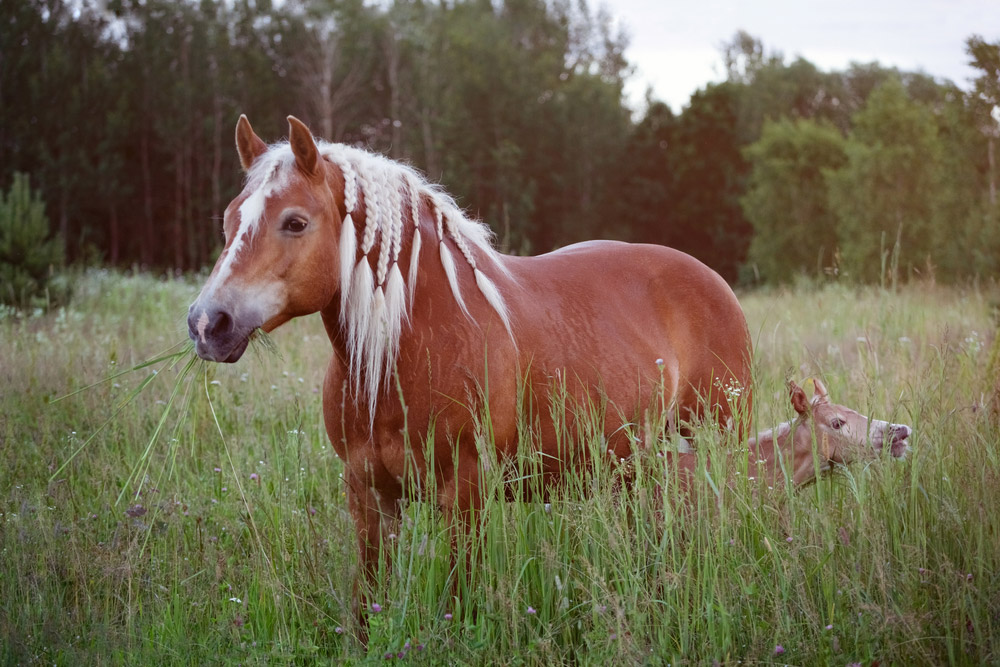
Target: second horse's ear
820 394
303 146
248 144
799 400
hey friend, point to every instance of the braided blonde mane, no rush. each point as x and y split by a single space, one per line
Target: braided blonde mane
374 306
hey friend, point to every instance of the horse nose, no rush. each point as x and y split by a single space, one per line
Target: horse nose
898 433
207 324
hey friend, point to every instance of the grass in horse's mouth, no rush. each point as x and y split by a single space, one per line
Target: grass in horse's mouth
181 355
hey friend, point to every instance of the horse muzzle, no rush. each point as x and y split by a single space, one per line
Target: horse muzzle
217 334
897 438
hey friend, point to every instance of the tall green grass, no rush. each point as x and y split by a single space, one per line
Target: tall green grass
226 538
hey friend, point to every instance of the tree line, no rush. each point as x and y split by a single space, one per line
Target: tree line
122 112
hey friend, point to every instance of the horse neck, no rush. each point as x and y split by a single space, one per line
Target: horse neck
401 257
763 451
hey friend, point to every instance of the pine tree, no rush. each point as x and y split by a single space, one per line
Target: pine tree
28 255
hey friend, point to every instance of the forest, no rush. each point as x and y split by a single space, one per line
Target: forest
121 113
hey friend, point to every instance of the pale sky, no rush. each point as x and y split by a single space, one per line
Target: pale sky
675 46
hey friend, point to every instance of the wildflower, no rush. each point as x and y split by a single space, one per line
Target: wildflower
389 655
829 627
339 630
789 539
659 362
376 607
254 477
448 616
217 469
779 649
531 610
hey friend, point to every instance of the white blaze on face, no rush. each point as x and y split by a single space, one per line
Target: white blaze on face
252 212
270 176
267 178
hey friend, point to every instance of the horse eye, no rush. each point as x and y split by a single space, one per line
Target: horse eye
294 225
837 423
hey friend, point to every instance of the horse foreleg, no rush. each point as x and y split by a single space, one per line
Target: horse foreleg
375 512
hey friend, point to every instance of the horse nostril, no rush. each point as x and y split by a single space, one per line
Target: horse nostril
219 324
205 324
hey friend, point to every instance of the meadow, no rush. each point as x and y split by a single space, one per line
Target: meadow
193 514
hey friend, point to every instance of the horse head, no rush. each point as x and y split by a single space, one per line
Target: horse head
281 249
840 434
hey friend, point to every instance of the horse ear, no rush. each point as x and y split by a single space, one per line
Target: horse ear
820 394
799 400
248 144
303 146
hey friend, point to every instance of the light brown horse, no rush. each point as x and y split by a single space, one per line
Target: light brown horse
432 328
823 434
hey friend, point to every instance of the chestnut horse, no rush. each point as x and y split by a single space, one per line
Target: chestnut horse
432 328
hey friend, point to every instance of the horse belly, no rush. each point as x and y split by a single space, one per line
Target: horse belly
642 326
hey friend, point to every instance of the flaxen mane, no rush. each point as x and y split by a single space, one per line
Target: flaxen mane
375 305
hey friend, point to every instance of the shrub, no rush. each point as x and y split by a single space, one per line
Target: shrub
29 256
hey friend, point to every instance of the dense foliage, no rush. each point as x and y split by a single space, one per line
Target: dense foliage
123 113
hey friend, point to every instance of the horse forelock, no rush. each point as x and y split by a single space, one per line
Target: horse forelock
376 302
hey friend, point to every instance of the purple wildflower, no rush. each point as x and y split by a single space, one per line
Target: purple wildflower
531 610
376 607
779 649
